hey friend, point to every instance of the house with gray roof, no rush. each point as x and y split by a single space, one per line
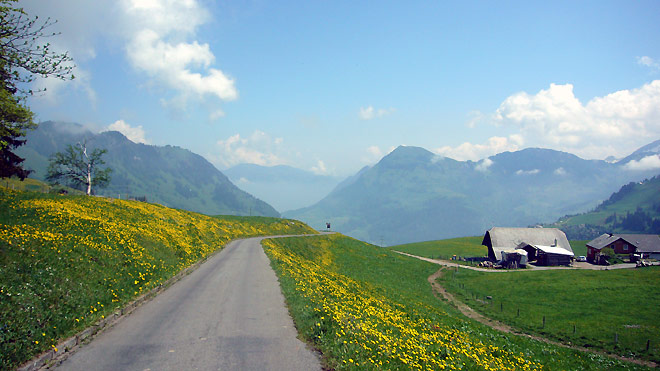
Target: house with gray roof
646 245
549 246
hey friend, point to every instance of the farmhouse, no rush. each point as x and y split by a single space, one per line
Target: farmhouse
548 246
645 245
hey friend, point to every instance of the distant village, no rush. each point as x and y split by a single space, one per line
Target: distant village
513 248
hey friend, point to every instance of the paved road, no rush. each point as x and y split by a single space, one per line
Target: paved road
227 315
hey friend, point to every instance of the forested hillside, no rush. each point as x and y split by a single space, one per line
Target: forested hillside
171 176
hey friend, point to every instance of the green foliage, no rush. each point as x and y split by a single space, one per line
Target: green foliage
15 120
22 57
78 168
584 307
24 54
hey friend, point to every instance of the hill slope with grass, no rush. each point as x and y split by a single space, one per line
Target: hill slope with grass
635 208
171 176
68 261
414 195
366 308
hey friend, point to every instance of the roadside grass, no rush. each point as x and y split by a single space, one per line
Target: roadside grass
614 310
366 307
68 261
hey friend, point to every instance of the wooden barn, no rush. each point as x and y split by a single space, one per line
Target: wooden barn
546 246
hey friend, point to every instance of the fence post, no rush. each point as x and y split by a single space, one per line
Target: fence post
648 344
616 338
518 315
501 307
574 329
543 322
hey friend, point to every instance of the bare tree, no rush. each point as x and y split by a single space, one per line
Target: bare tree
78 168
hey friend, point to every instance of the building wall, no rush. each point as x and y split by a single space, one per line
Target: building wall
619 246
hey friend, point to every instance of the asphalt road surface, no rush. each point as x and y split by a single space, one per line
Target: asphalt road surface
229 314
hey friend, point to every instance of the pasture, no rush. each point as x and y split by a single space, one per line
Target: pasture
366 307
614 310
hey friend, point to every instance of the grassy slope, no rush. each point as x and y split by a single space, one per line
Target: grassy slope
599 303
67 261
644 195
444 249
366 307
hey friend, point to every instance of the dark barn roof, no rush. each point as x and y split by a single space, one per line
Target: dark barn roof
498 239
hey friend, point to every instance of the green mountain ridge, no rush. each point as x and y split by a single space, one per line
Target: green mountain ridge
414 195
171 176
635 208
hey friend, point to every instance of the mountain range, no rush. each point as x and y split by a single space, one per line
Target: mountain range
414 195
171 176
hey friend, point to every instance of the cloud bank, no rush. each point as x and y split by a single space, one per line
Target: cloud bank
134 134
647 163
158 37
259 148
555 118
158 44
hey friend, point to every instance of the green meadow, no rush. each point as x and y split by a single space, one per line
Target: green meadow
366 307
610 310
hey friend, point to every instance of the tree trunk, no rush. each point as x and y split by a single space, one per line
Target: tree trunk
89 179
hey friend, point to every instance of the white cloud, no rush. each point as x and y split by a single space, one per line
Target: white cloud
370 112
157 45
78 29
474 118
483 165
320 168
135 134
159 38
528 172
259 148
647 163
375 154
648 62
475 152
609 125
559 171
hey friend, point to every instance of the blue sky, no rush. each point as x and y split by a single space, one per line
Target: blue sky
331 86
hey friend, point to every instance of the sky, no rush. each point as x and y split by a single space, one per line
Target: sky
332 86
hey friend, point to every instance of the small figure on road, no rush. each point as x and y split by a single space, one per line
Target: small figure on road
327 225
